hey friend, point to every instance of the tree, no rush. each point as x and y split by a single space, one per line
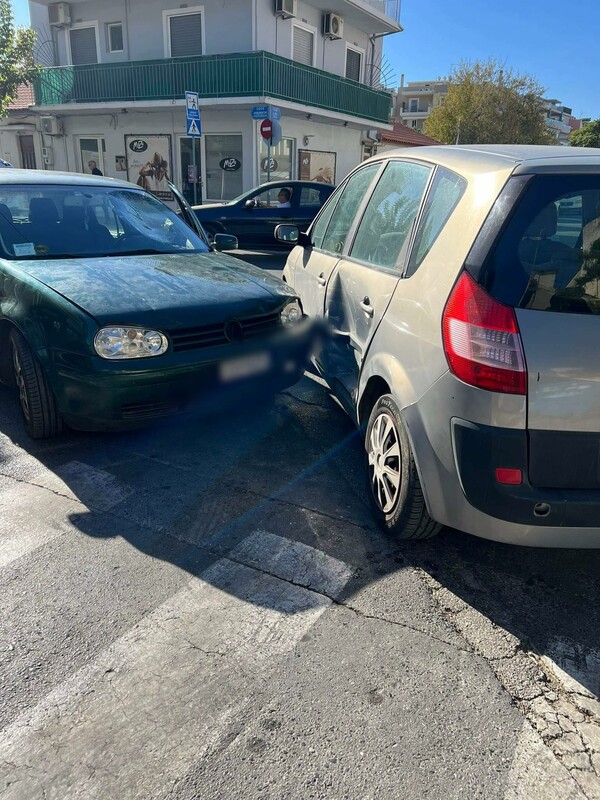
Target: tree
490 104
587 136
17 62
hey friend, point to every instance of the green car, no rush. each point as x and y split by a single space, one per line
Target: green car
115 311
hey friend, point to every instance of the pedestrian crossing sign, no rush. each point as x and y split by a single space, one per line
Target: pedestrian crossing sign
193 128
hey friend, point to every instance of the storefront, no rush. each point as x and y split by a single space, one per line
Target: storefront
152 148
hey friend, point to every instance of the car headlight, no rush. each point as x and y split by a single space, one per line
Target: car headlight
125 342
291 314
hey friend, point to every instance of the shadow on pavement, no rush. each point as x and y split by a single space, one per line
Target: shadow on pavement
192 491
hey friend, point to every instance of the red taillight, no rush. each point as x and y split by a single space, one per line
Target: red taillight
482 341
510 477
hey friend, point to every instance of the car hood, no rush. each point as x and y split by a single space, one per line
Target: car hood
168 291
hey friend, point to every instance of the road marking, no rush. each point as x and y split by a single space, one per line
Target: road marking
94 488
29 518
142 714
36 509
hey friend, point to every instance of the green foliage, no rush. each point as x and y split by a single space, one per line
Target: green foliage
588 136
17 63
490 104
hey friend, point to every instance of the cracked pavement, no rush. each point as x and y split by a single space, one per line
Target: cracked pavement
205 610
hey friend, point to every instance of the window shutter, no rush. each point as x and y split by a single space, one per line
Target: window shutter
353 65
304 42
186 35
83 46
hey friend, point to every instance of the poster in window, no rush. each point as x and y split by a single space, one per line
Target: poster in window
149 163
317 165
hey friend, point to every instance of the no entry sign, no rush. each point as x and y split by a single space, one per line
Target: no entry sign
266 129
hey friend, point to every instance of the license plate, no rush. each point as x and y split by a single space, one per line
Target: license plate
244 367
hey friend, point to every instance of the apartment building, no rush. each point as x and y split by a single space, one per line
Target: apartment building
114 92
415 101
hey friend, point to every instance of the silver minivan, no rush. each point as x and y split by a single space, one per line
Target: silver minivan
459 287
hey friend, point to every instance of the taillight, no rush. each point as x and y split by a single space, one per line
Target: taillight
482 341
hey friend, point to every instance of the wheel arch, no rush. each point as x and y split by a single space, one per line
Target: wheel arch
6 370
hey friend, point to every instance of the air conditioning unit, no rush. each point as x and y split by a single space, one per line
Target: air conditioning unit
50 126
333 26
59 15
286 8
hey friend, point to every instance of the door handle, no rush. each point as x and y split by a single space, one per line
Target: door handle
367 307
322 280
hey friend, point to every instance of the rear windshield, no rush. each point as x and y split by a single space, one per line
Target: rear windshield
548 258
70 221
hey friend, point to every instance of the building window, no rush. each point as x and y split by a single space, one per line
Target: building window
184 33
115 37
413 105
353 64
282 161
84 48
303 46
222 184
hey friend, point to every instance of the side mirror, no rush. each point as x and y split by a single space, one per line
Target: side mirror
291 234
251 203
223 242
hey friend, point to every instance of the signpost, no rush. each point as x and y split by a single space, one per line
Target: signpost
270 129
194 131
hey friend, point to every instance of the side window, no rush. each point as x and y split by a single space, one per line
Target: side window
319 228
274 198
346 209
310 198
388 219
443 198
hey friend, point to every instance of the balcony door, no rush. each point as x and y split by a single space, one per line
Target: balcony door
91 150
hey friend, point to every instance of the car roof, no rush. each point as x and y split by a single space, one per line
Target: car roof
475 159
38 176
293 185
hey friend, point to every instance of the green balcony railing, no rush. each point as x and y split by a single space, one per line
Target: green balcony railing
258 74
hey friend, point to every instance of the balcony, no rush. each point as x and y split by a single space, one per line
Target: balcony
253 75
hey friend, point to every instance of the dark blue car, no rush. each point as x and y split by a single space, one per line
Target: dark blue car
253 216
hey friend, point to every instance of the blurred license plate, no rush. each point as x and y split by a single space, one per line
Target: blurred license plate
245 366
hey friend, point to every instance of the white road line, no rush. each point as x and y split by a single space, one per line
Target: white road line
35 509
95 488
29 518
144 712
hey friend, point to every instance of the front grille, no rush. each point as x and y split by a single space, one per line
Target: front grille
148 410
213 335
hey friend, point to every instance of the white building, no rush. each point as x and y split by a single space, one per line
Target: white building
116 72
415 101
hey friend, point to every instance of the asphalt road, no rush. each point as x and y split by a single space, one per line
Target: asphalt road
205 610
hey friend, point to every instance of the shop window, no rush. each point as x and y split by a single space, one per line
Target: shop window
223 183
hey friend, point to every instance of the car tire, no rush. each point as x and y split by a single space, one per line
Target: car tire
400 509
38 403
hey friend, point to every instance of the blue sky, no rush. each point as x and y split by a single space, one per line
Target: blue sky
554 40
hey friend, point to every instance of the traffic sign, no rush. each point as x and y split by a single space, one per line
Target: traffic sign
260 112
192 106
275 113
266 129
194 128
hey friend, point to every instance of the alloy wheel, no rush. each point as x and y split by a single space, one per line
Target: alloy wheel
20 379
384 462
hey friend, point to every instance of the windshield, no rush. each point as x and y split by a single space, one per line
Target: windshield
40 222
